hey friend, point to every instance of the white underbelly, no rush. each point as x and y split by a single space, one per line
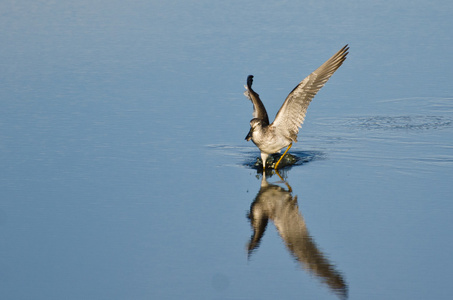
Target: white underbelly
272 145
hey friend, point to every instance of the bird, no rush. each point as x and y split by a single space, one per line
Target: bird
272 138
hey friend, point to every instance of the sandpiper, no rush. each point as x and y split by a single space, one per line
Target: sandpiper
271 138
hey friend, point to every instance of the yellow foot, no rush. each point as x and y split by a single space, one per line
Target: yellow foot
281 157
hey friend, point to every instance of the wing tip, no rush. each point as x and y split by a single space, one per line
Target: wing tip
250 81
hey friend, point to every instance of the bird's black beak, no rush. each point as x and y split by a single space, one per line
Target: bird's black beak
249 135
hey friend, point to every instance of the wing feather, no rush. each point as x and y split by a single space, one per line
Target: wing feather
258 107
291 115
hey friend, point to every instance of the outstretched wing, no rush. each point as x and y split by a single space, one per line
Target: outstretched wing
292 113
258 108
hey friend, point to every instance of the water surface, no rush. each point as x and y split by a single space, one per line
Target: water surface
125 174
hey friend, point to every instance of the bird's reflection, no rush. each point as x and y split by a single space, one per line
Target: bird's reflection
280 206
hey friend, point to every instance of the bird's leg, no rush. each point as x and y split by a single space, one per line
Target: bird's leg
264 158
281 157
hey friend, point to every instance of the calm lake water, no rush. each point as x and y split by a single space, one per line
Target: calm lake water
125 173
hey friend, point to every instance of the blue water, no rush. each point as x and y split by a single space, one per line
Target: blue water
125 173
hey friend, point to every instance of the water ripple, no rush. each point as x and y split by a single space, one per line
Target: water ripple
401 122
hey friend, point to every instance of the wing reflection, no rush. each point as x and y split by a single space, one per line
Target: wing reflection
277 204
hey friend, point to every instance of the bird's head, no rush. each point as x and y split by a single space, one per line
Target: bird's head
254 123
